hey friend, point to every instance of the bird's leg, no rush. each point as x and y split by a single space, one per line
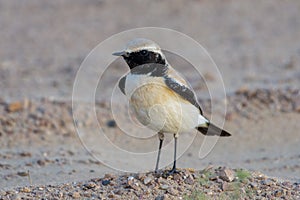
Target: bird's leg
173 170
161 139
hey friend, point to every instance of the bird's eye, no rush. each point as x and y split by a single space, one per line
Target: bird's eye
144 52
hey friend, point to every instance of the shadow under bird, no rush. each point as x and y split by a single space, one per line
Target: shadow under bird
159 97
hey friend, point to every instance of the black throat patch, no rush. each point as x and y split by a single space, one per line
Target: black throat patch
141 57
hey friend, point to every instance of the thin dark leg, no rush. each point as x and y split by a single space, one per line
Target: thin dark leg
173 170
161 139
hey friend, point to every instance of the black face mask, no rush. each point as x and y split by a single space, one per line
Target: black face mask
143 57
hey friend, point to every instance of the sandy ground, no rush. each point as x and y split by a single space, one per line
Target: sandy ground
42 45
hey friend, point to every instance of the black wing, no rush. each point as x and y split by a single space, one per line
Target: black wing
122 84
183 91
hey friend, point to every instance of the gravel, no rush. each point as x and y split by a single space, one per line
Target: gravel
162 186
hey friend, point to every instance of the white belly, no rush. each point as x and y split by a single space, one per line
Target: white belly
158 107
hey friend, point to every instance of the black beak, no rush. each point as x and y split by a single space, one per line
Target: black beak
120 53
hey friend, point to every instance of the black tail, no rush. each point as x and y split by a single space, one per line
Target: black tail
212 129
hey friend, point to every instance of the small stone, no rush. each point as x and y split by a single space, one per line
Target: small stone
119 192
267 182
191 170
41 162
164 187
180 189
228 186
253 185
131 182
90 185
16 197
23 173
161 180
227 175
189 180
111 123
14 107
76 195
278 193
141 176
242 90
25 154
258 191
147 180
110 176
111 196
105 182
177 177
87 194
25 189
172 191
161 197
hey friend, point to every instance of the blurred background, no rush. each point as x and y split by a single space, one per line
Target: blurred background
255 44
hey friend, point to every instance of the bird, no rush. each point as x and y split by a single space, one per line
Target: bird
160 97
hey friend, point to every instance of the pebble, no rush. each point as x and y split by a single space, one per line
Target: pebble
16 197
228 186
119 192
177 177
189 180
76 195
242 90
105 182
226 174
267 182
25 189
278 193
15 106
41 162
253 185
23 173
111 123
87 194
132 182
164 187
161 197
90 185
172 191
147 180
109 176
25 154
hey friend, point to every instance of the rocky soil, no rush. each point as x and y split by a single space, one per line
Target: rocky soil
210 183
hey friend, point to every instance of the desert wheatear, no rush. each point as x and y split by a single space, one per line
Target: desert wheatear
159 97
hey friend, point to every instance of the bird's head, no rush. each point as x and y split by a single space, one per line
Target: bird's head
142 51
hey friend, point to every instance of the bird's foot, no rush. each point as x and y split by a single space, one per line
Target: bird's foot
158 171
172 171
